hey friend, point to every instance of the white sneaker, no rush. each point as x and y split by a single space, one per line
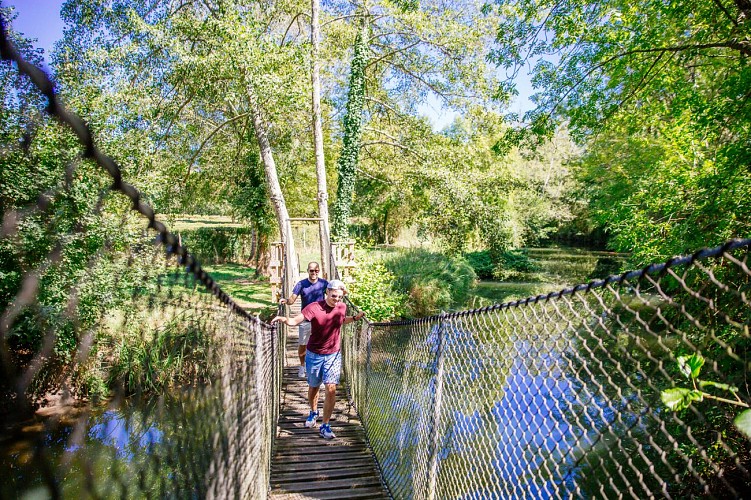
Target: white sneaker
312 419
301 372
326 432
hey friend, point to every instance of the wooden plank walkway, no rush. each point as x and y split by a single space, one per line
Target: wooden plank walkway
305 465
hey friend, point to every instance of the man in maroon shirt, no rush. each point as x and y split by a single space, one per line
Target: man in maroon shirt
323 360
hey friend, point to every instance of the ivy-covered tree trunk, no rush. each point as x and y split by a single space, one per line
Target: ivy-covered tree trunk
347 163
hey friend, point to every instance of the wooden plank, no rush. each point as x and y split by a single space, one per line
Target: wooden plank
332 449
305 443
318 465
332 484
322 474
329 495
294 432
280 461
299 427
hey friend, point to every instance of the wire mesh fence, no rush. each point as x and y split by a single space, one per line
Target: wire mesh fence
635 386
169 393
126 370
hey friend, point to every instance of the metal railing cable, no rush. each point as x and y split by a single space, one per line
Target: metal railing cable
124 375
631 386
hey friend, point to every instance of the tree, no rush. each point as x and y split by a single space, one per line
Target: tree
350 153
191 80
637 78
323 195
412 50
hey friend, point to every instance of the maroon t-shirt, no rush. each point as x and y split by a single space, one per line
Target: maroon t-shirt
325 326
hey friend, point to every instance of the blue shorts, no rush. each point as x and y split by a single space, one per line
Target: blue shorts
323 367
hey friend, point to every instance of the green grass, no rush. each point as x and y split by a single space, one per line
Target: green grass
237 280
188 222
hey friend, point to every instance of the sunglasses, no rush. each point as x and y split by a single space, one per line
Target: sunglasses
313 270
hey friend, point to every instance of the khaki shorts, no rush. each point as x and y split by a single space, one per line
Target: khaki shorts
303 332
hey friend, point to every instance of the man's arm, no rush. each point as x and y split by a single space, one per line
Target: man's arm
291 300
293 321
351 319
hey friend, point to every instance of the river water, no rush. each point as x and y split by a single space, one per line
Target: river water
555 268
560 398
140 446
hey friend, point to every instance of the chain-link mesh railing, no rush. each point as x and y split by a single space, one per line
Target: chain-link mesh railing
123 375
570 394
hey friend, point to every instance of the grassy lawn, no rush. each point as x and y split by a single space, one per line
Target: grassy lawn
188 222
237 280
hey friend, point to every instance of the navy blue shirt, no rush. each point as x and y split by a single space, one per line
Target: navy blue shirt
310 292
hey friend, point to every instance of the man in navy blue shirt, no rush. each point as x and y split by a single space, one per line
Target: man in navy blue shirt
311 289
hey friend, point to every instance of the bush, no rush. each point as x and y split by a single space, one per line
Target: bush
512 263
500 265
374 291
481 263
433 281
217 245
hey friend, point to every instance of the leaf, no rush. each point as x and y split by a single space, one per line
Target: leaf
679 398
719 385
743 422
690 366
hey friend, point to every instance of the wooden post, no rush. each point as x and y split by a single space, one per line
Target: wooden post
437 410
276 268
344 259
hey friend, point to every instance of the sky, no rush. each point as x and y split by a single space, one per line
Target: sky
40 20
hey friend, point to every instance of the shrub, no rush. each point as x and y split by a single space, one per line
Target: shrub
152 360
217 245
481 263
511 264
433 281
375 293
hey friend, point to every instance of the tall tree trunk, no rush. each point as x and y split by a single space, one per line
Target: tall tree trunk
261 256
348 159
323 194
275 193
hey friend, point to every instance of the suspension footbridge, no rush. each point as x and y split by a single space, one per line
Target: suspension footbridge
634 385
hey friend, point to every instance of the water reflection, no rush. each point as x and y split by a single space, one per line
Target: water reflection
141 447
112 429
561 402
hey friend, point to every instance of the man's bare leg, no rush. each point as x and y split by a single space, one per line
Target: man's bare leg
328 403
301 353
313 398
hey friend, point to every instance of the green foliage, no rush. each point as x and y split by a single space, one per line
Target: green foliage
214 245
374 291
512 264
249 197
348 158
481 263
680 398
175 354
651 89
433 281
503 266
473 198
